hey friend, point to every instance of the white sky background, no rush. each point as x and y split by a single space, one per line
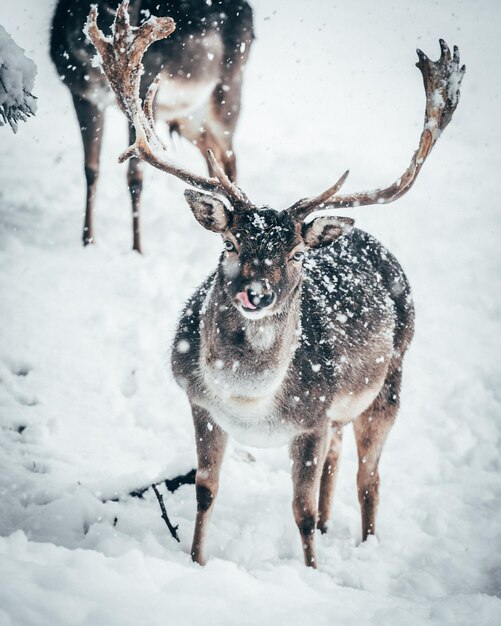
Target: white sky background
328 87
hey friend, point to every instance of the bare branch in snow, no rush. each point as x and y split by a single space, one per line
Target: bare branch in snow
164 516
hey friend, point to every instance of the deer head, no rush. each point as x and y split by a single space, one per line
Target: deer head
263 248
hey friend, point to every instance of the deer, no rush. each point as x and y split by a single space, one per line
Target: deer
202 71
303 326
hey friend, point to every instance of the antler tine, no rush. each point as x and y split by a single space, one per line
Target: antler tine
120 56
302 208
149 99
233 192
148 106
442 81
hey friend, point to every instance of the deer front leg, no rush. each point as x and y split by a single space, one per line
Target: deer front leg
307 454
90 120
211 442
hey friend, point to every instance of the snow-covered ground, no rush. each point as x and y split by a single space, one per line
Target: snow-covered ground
84 339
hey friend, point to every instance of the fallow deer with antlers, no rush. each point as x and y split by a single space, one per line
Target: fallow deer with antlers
303 326
201 68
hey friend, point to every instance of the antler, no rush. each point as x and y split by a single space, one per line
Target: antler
120 58
442 80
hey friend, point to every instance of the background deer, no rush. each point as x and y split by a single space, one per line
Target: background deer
303 326
201 68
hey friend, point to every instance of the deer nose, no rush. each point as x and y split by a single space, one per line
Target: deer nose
256 296
260 299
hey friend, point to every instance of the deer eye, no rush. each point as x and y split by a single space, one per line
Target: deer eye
297 256
229 247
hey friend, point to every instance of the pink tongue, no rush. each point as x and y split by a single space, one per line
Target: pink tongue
244 299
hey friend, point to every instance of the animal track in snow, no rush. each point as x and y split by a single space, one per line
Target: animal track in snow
38 467
25 399
15 384
19 368
129 384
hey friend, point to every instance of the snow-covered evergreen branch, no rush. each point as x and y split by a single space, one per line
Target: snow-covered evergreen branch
17 78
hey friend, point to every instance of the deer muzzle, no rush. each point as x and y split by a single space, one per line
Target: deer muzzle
255 298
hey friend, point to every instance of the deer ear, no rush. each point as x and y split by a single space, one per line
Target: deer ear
324 230
208 210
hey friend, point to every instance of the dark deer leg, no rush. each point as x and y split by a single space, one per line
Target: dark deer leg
211 442
371 429
328 480
307 453
135 182
90 120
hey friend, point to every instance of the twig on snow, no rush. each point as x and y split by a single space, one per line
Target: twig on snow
164 516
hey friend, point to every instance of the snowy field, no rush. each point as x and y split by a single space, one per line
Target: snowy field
88 405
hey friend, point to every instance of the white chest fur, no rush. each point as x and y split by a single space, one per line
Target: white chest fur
243 403
261 336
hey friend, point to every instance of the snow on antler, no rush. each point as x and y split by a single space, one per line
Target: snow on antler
442 81
120 53
120 56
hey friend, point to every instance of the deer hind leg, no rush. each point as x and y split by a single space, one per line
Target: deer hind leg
328 479
90 120
371 429
213 138
135 183
307 453
222 118
211 442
